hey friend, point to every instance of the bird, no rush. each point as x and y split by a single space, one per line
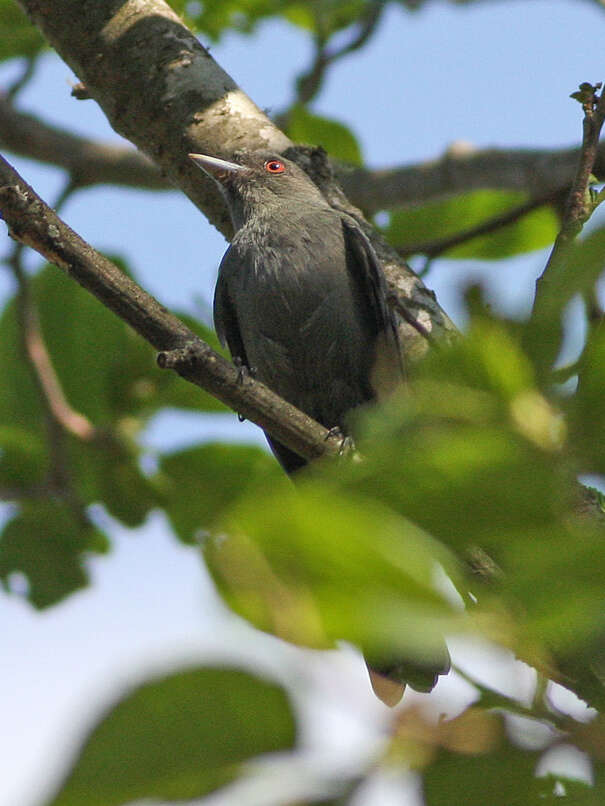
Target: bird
301 302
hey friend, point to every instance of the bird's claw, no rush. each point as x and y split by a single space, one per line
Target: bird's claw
243 371
347 445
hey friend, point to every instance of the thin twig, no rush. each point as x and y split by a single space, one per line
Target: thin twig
57 419
538 710
88 162
433 249
579 207
24 79
309 84
36 352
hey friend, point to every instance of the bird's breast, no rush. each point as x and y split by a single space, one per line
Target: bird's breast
301 318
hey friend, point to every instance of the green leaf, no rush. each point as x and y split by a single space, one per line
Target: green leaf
335 137
314 566
19 401
432 222
109 473
459 779
216 17
477 456
476 437
586 411
47 543
23 458
575 270
178 737
18 37
200 482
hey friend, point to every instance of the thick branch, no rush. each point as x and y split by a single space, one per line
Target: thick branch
88 162
34 224
161 89
538 172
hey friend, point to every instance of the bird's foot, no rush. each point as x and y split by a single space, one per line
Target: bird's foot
243 370
347 445
243 373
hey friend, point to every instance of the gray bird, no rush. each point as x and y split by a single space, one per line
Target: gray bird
301 300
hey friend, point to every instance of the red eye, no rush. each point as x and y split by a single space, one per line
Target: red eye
275 166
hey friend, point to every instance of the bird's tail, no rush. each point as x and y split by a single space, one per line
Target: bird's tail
389 680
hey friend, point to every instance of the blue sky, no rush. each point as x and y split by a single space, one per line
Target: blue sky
490 74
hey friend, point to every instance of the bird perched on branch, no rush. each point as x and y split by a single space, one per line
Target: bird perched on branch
301 298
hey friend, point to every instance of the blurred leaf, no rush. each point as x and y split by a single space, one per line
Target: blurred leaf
430 223
18 37
314 566
108 472
463 761
178 737
47 543
475 438
471 779
476 456
335 137
23 459
20 409
215 17
587 413
575 270
201 481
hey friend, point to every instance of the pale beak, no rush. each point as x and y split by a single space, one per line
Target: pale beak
216 168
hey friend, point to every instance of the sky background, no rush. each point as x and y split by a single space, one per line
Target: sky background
494 74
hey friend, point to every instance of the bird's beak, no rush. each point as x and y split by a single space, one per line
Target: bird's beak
216 168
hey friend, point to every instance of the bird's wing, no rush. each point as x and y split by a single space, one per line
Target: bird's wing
364 265
225 317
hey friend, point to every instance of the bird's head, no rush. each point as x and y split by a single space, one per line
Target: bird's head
259 181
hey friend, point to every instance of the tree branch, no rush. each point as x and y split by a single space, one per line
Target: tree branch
23 80
51 392
538 172
88 162
34 224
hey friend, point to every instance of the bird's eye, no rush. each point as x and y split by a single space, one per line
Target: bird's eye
275 166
